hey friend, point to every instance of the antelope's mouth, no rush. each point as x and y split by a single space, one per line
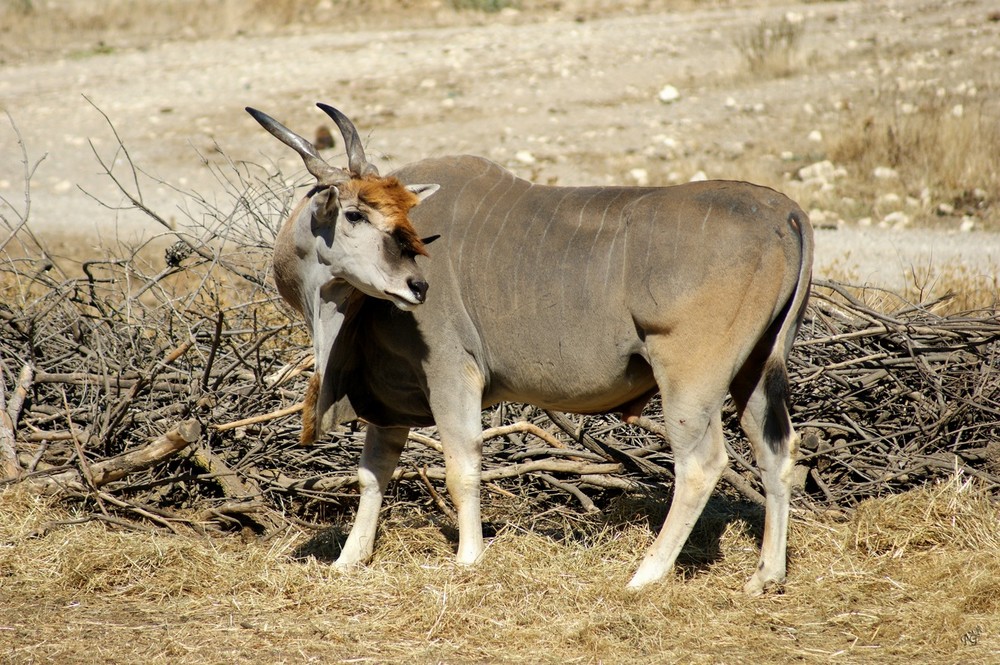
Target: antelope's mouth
406 302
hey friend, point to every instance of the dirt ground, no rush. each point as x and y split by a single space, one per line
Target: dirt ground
566 93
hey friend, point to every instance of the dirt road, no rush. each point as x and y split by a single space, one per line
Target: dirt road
558 97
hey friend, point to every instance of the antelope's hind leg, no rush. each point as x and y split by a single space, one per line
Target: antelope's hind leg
383 446
764 418
692 417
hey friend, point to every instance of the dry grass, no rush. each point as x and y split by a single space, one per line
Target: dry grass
941 145
771 47
941 288
912 577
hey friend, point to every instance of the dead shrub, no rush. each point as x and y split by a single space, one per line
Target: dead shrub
771 47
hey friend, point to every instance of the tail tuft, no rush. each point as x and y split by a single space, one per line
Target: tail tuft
777 425
308 435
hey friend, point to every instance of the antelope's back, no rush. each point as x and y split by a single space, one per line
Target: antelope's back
554 288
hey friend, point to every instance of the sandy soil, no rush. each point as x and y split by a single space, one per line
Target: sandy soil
560 97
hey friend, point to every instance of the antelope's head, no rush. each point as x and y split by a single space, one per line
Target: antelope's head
353 225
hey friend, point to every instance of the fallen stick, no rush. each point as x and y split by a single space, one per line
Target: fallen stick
342 481
20 393
115 468
9 465
274 415
522 427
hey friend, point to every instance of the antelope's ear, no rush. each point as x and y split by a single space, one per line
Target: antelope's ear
423 191
325 204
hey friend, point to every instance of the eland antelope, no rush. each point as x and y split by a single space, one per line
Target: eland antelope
581 299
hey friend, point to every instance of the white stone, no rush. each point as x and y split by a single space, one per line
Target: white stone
885 172
669 94
641 176
525 157
698 177
815 136
825 219
968 223
958 110
821 172
946 209
896 220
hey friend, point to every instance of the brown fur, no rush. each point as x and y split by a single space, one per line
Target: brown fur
308 435
392 199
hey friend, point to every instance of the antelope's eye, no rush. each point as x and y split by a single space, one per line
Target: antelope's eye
354 216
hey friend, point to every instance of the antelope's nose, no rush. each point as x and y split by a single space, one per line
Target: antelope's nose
418 287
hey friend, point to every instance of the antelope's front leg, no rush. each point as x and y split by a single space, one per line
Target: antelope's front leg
383 446
458 414
463 454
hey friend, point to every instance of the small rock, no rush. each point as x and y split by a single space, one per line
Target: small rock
945 209
641 176
324 138
968 224
669 94
896 220
733 149
885 172
815 136
820 173
825 219
698 177
958 110
525 157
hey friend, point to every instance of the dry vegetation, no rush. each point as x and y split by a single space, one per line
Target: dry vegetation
218 552
911 578
941 146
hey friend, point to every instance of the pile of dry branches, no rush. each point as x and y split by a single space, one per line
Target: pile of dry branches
162 383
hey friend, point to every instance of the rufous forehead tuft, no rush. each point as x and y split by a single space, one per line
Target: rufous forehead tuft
393 200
